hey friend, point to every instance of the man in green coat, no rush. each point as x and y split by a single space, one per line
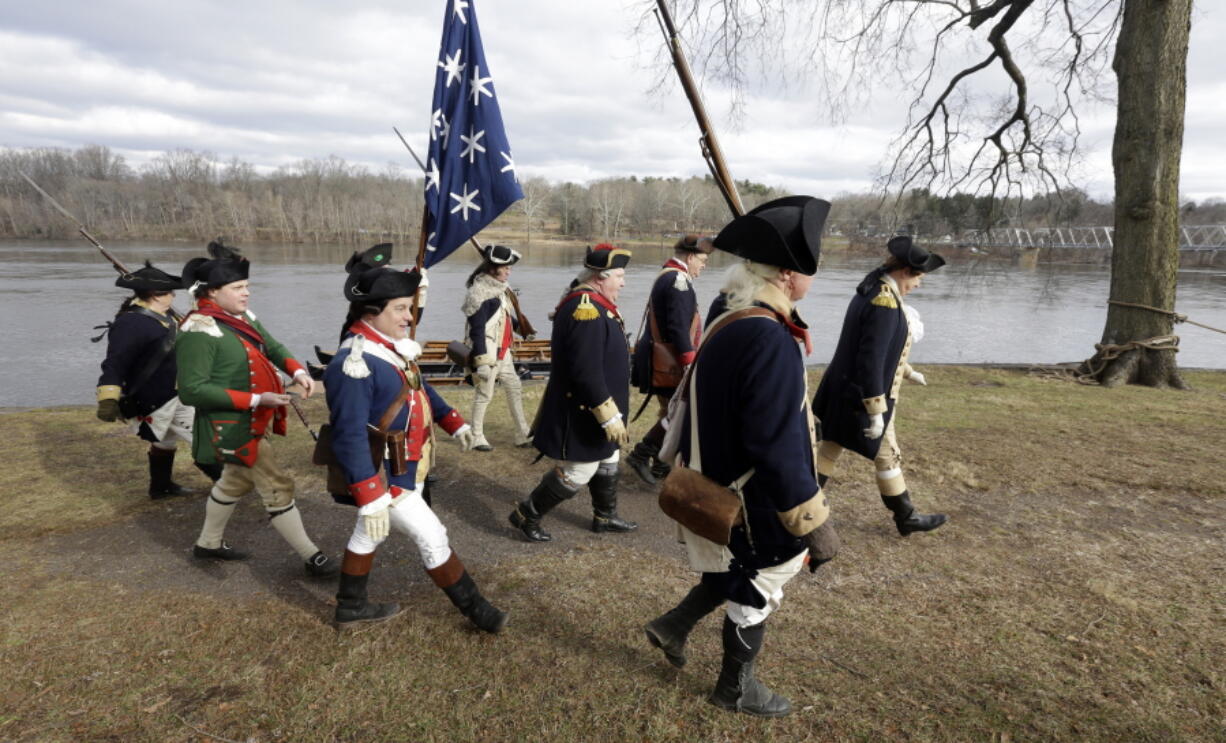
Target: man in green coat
228 368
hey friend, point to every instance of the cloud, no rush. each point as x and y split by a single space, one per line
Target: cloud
276 81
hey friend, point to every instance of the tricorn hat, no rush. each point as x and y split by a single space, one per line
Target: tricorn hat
500 255
912 255
786 233
604 257
694 244
149 279
371 280
223 266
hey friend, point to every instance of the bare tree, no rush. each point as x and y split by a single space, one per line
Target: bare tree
536 194
997 85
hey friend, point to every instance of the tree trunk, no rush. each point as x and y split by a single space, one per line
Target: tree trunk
1150 66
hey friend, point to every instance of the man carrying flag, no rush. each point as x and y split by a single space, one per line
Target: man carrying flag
470 175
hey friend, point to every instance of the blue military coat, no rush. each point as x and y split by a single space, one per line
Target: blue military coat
862 372
357 396
590 363
134 337
751 408
674 305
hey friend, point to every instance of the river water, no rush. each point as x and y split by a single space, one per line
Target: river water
53 293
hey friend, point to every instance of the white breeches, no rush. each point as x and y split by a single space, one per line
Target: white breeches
578 474
769 582
172 423
409 515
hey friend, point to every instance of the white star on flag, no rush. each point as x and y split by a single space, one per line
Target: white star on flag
476 86
453 67
510 166
472 145
439 125
459 8
432 175
465 202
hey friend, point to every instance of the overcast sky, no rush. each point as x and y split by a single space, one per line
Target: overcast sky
276 81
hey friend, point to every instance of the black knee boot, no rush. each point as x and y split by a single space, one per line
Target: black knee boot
462 590
906 518
604 503
352 609
670 631
161 464
548 494
737 690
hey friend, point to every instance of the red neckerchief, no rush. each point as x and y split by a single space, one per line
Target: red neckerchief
374 336
210 308
799 332
596 296
674 263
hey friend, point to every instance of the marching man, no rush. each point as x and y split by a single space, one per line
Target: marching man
489 321
667 344
373 382
228 365
582 420
138 375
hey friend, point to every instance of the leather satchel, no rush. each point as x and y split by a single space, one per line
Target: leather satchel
384 444
666 368
700 504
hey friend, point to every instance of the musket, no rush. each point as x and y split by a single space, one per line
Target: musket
707 141
121 268
525 327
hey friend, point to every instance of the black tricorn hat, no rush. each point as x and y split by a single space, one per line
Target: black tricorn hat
786 233
604 257
500 255
371 280
694 244
149 279
913 255
223 266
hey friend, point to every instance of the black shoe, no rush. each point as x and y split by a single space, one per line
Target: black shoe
529 525
319 566
639 460
224 552
660 470
169 490
737 690
349 618
907 519
613 523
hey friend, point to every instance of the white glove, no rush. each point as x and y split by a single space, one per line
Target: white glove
375 518
917 378
484 372
464 434
876 426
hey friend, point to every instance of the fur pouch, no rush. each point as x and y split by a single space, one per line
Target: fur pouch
700 504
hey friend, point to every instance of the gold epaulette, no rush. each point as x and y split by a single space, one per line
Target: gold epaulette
885 299
586 310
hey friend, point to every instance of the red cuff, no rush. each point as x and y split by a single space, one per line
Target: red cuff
293 367
240 400
687 358
367 490
451 422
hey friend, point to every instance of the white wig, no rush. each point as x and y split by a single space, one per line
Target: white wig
743 281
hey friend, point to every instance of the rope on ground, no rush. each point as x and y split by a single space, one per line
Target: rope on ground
1108 352
1170 313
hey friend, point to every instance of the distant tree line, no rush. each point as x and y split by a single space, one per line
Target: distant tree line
184 194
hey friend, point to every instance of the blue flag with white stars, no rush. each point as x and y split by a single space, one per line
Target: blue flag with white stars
470 176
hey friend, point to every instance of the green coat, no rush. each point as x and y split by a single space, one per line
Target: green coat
219 373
